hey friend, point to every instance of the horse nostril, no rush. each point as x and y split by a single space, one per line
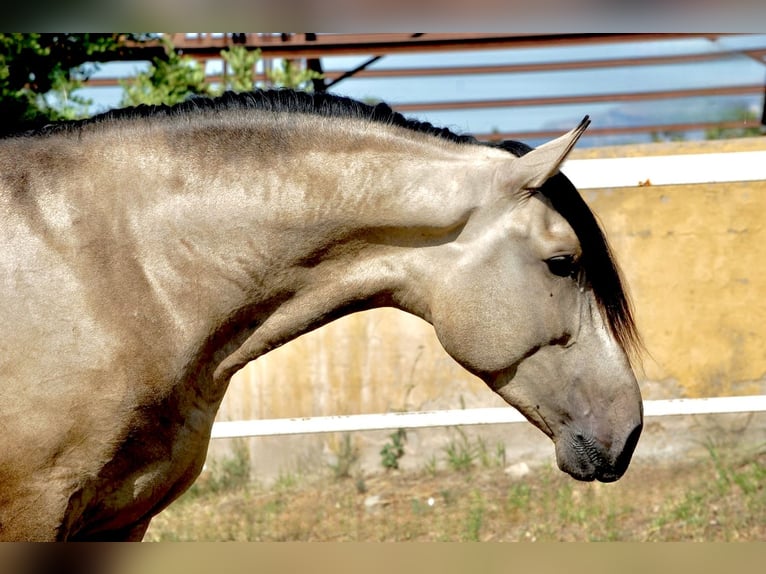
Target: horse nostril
589 449
607 466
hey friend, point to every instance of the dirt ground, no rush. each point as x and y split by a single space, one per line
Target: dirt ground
720 496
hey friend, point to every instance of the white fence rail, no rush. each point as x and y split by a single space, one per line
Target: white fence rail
461 417
667 170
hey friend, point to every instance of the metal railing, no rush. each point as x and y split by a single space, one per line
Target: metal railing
313 47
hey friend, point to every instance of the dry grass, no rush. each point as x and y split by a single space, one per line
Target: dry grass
714 499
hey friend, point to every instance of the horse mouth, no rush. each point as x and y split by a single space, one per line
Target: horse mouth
593 473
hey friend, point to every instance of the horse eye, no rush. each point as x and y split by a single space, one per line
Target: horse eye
562 265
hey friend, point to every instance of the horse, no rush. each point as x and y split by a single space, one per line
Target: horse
149 253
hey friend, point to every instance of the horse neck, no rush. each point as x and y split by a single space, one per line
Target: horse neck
320 190
276 242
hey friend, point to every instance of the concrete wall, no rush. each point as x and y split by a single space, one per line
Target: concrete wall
695 261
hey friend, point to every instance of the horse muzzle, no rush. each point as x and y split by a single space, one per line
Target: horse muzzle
585 457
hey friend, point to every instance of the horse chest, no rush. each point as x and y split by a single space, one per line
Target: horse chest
153 465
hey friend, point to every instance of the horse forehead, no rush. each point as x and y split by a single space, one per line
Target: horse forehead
547 225
535 217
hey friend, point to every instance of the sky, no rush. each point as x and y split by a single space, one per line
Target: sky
731 71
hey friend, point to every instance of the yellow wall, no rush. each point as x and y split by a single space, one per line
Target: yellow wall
695 261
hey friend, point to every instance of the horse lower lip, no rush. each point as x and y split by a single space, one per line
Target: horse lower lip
584 477
595 474
609 477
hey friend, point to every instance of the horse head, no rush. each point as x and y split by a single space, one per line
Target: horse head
557 346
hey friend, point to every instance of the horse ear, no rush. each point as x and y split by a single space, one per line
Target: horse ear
533 169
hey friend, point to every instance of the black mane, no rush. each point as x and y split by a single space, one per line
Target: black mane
281 100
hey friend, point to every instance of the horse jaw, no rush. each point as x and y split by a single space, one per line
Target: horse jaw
591 409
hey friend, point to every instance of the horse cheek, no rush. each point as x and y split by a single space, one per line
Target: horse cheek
482 337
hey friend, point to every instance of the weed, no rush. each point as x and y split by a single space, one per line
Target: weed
394 450
475 517
723 481
460 454
751 478
519 496
691 509
500 457
482 453
285 481
347 455
431 466
228 474
568 510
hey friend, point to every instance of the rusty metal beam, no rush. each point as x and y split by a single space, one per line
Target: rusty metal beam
297 46
536 67
496 69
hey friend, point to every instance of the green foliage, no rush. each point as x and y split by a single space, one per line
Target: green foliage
748 478
241 68
723 474
667 136
169 80
732 483
173 78
486 457
394 450
39 74
290 75
742 114
286 480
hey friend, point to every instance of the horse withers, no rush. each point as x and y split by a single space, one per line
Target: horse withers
149 253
